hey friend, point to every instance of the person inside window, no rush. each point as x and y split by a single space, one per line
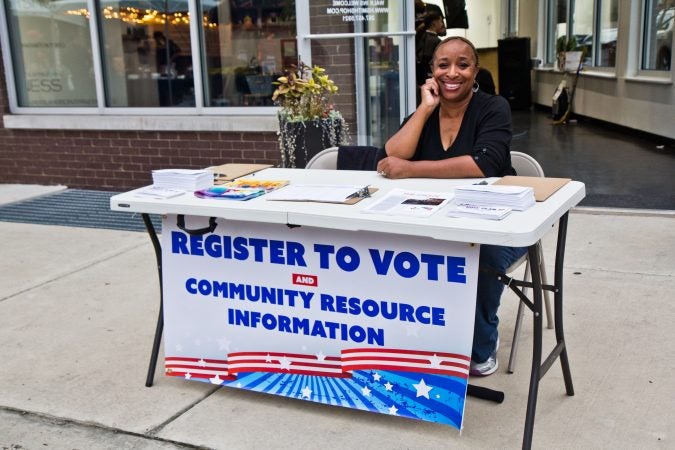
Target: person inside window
458 131
166 51
426 40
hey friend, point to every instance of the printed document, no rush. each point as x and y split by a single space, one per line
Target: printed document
326 193
478 211
401 202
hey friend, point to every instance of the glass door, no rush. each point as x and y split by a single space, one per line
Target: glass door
368 49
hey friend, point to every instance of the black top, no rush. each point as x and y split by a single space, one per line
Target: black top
485 134
485 81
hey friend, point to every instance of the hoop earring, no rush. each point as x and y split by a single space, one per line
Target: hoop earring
475 87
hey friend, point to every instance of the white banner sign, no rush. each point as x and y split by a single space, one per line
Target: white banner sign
370 321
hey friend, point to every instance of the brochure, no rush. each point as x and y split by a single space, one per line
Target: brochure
158 192
518 198
401 202
243 189
267 185
478 211
229 193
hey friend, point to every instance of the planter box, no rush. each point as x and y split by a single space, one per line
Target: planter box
300 141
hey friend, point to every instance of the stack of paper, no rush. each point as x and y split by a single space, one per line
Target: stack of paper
478 211
184 179
518 198
158 192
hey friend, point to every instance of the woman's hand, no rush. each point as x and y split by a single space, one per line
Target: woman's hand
430 93
393 167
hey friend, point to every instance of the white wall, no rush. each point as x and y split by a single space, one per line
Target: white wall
484 22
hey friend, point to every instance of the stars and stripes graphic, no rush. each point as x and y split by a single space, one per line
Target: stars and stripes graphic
402 360
285 363
200 368
440 363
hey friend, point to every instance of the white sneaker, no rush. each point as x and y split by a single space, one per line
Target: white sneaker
488 367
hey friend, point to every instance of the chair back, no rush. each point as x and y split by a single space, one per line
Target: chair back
358 157
325 159
525 165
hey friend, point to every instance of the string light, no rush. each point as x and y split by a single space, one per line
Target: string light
133 15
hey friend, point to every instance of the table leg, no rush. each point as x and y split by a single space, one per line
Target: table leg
160 319
558 300
533 255
560 350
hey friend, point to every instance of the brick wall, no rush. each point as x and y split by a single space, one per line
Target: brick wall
121 160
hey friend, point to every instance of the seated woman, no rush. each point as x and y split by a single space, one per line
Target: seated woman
458 131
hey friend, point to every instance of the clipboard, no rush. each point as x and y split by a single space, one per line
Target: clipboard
353 199
543 187
228 172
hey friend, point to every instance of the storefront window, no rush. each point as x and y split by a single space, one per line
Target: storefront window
146 53
592 29
51 50
582 27
609 16
658 35
383 88
246 45
557 28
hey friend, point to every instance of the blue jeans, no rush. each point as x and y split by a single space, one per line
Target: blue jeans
492 258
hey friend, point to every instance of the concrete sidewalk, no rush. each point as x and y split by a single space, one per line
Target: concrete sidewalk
77 315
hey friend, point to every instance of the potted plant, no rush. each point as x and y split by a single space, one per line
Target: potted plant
308 121
564 45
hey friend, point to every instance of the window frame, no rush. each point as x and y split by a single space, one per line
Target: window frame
88 116
598 44
550 36
643 26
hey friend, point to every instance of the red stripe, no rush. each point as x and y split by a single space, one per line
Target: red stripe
281 355
180 358
294 363
454 364
188 366
293 371
408 352
246 361
425 362
386 358
407 369
201 375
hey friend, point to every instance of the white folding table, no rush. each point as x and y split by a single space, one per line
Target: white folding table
519 229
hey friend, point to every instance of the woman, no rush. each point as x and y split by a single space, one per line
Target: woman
458 131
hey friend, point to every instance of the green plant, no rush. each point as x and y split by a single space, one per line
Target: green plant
303 93
563 44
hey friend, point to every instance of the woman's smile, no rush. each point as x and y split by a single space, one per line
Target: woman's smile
451 85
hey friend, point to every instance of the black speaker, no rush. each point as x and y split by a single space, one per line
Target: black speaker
513 61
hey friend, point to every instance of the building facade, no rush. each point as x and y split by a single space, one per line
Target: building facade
96 94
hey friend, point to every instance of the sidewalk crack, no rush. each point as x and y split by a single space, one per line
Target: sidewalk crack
153 431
